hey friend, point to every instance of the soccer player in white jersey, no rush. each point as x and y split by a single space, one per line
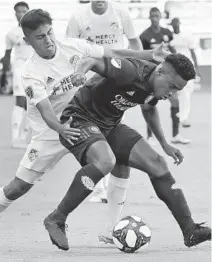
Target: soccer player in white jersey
185 45
104 23
108 24
21 51
47 82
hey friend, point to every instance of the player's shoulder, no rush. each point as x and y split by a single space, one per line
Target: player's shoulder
166 31
71 43
32 66
119 8
146 32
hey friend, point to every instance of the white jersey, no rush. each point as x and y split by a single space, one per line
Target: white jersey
51 79
183 43
107 29
15 41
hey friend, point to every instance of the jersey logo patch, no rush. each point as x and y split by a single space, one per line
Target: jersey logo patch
114 26
33 154
94 129
131 93
88 183
166 38
153 40
116 62
73 60
49 80
29 92
148 99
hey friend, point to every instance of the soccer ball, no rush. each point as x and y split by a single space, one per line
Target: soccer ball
130 234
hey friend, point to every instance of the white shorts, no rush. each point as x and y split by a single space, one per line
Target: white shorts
42 156
18 89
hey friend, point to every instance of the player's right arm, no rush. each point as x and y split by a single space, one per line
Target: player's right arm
72 29
152 119
48 115
36 92
9 46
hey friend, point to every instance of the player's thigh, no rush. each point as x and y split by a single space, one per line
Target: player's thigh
101 155
42 156
145 158
121 140
91 147
121 171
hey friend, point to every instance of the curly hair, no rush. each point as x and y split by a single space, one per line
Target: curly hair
182 65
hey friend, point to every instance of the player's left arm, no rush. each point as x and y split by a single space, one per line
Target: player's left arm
129 31
157 54
171 45
152 119
191 47
121 70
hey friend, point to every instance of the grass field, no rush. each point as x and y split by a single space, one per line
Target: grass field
24 239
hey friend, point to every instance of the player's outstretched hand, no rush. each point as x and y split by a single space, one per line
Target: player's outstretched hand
174 153
78 79
159 53
70 134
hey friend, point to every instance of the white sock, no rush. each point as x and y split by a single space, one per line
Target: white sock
4 202
116 195
17 119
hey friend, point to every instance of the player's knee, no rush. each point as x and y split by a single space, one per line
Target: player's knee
16 188
160 166
106 163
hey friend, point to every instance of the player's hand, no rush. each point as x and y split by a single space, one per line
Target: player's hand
78 79
68 133
160 53
174 153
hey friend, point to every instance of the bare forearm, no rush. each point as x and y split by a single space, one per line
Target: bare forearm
127 53
6 60
52 122
152 119
193 55
135 44
84 65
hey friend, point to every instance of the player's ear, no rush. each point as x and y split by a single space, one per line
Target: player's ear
26 41
160 71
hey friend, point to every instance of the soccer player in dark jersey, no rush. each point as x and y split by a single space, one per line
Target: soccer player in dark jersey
150 38
97 109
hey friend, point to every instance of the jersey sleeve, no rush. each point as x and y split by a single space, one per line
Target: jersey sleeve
35 90
122 71
128 27
91 50
72 29
9 42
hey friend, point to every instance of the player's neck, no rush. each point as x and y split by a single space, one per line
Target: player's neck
155 28
99 11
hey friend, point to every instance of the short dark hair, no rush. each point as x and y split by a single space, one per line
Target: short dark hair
34 18
182 65
21 4
154 9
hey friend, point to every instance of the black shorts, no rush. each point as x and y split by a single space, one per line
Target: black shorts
121 140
